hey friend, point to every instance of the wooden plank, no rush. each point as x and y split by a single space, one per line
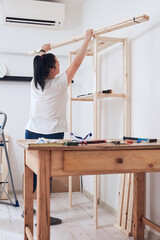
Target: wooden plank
151 224
95 85
125 86
130 22
113 95
70 191
70 130
125 201
127 23
130 207
111 39
29 233
43 195
95 202
102 43
120 201
105 46
70 99
138 206
99 95
85 99
125 204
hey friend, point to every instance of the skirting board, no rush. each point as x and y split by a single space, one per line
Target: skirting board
151 236
148 234
100 202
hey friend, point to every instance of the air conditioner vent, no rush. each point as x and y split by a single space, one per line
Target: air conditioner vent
32 21
38 13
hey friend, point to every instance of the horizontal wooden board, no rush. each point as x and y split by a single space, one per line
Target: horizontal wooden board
112 161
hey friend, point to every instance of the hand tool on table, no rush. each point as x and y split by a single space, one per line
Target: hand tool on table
75 143
140 139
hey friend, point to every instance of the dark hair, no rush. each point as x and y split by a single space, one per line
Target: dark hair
41 68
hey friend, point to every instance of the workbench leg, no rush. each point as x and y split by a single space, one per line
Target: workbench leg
138 206
70 191
43 196
95 204
28 198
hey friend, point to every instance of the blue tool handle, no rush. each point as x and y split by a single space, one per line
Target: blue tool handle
134 138
140 139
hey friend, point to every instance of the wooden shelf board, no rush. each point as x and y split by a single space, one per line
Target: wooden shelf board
99 95
102 43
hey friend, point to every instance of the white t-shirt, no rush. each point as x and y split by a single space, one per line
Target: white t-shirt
48 107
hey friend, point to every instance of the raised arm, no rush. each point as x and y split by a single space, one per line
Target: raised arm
79 57
45 48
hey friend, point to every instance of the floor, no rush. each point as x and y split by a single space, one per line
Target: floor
77 221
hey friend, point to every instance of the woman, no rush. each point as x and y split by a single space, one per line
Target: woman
49 96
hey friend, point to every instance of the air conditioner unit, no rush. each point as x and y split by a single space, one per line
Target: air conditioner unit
34 13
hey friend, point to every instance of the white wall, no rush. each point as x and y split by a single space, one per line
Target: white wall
144 74
15 42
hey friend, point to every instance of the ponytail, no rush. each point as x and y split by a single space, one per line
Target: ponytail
42 66
39 78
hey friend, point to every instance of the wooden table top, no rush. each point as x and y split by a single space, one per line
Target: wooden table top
30 144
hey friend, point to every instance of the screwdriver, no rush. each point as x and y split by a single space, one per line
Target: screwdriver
140 139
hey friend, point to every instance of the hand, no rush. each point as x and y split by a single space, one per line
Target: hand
89 35
46 47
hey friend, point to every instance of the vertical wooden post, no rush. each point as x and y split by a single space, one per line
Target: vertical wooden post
28 198
70 98
43 195
125 86
70 130
125 205
138 206
95 207
70 191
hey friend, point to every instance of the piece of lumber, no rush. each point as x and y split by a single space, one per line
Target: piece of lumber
95 84
151 224
127 23
29 233
125 204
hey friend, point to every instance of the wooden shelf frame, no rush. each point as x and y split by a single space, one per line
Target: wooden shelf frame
97 45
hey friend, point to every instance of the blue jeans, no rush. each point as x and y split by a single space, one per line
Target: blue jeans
33 135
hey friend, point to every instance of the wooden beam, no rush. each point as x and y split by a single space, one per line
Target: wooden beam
130 22
29 233
151 224
99 96
108 39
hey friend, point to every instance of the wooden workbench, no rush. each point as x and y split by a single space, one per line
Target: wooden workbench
48 160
